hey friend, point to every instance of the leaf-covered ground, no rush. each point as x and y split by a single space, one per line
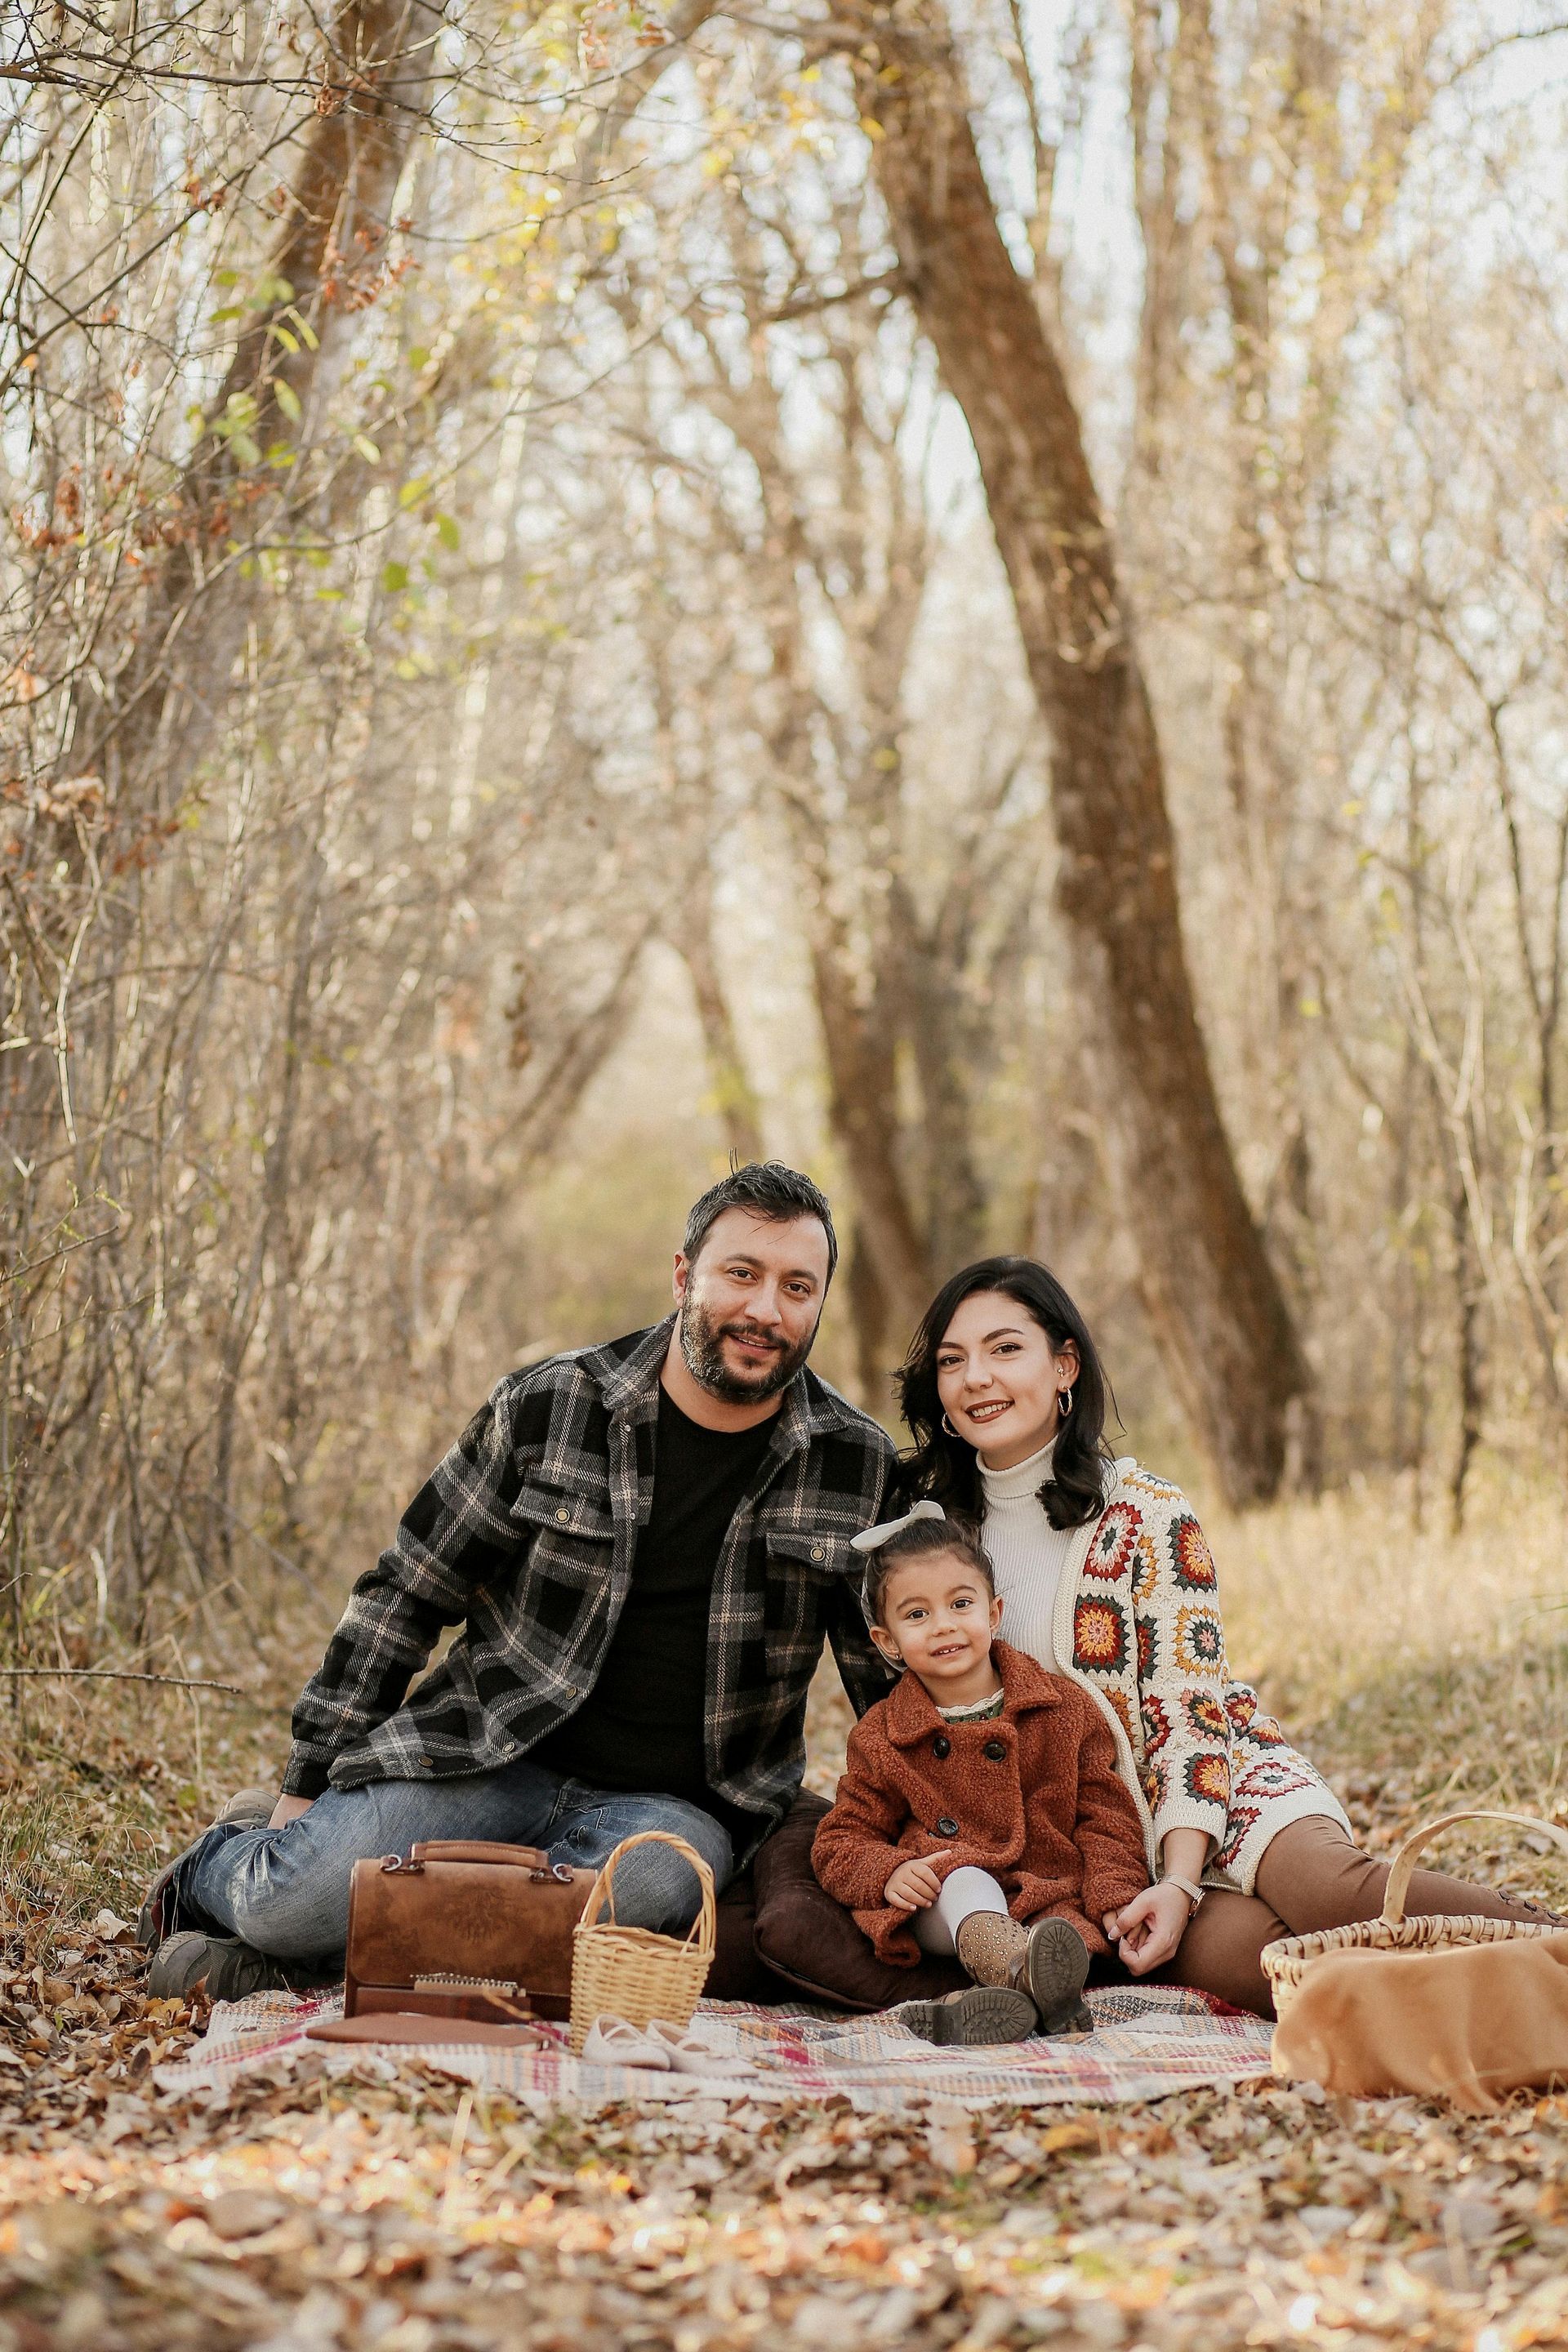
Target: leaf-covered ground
411 2217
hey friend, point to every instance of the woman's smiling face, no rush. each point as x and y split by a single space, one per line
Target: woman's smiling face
999 1378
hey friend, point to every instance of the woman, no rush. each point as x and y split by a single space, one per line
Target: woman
1105 1577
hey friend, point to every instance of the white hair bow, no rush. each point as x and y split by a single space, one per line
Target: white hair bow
873 1538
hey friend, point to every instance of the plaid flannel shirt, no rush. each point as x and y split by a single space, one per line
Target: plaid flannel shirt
526 1535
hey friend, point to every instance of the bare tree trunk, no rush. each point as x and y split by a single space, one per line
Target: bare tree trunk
374 99
692 935
862 1107
1224 1326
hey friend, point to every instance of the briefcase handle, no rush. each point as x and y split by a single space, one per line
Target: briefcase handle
531 1858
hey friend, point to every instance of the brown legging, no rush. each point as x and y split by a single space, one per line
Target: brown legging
1311 1876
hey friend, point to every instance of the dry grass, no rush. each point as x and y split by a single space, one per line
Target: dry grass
1418 1669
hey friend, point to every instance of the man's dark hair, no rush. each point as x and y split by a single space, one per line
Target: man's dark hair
768 1189
917 1542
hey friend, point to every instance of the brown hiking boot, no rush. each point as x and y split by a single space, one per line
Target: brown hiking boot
1050 1961
221 1967
971 2019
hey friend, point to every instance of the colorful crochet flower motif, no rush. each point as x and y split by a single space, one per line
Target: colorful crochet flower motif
1207 1715
1271 1777
1155 1785
1208 1776
1191 1558
1240 1819
1114 1541
1148 1648
1247 1721
1145 1569
1200 1642
1099 1635
1124 1714
1156 1725
1240 1705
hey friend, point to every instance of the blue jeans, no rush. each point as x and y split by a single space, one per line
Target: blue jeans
286 1891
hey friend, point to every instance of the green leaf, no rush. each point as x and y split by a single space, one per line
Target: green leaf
287 400
448 534
229 310
226 278
308 334
367 449
412 492
393 577
289 342
405 668
245 448
419 357
329 596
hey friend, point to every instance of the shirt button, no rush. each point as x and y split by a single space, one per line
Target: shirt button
817 1553
427 1763
996 1750
947 1826
941 1745
562 1515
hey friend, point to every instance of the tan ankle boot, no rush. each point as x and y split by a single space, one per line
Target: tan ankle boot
991 1946
1048 1960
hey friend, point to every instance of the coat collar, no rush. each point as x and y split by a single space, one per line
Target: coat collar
627 1373
912 1714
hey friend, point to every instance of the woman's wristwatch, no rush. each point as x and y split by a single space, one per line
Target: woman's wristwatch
1194 1892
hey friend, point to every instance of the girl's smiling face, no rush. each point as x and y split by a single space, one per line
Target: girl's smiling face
999 1378
939 1617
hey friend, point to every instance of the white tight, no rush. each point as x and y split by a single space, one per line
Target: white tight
964 1892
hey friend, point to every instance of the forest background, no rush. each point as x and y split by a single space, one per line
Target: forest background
968 593
973 600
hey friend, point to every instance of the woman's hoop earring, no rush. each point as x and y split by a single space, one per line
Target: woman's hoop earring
947 1426
1064 1403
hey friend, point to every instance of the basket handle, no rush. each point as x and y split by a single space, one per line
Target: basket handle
1405 1860
701 1930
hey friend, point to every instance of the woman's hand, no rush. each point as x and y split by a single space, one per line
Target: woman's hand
1147 1930
914 1886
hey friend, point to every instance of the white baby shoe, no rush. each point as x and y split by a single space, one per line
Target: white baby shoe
614 2041
687 2055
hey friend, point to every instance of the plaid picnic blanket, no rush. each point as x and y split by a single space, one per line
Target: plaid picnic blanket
1146 2043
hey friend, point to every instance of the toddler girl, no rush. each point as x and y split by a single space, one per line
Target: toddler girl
981 1812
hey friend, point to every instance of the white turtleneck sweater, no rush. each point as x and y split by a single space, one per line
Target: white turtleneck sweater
1026 1553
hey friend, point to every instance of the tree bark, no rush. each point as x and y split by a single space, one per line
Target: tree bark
1221 1319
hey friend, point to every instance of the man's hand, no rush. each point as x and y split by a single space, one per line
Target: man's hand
288 1809
1147 1930
914 1886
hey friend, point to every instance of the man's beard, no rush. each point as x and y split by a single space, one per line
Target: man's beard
702 1338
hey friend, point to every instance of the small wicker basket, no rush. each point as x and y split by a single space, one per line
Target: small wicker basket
1286 1962
631 1973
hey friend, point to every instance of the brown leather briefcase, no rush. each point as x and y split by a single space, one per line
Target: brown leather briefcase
463 1929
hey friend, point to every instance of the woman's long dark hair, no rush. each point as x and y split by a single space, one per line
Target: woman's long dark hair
944 1466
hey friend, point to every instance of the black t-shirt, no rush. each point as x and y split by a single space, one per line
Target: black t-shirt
641 1725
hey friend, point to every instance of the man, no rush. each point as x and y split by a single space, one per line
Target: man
645 1544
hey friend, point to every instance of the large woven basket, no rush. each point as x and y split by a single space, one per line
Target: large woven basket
1287 1961
630 1972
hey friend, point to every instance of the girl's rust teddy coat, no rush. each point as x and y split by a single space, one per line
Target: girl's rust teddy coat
1032 1796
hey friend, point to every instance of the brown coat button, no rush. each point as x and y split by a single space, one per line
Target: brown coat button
942 1746
947 1826
996 1749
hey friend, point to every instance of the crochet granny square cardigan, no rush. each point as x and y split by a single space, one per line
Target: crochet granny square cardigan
1136 1623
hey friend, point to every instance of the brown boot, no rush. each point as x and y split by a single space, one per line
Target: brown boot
1050 1961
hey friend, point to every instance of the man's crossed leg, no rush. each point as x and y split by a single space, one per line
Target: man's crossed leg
244 1896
